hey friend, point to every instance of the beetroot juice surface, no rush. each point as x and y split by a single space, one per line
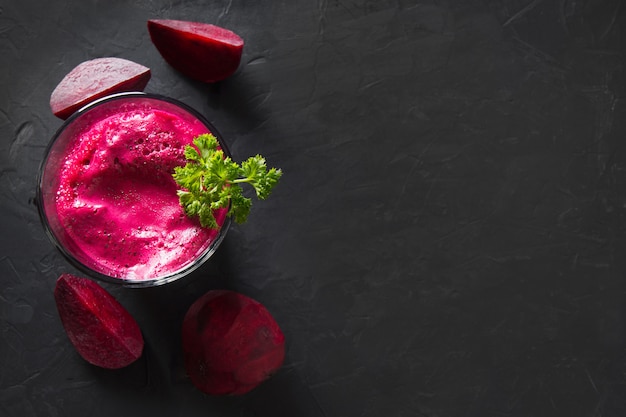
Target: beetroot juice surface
116 198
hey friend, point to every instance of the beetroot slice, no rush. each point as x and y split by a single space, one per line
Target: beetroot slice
94 79
100 328
200 51
231 343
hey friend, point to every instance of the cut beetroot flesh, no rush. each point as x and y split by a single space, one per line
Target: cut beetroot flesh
200 51
231 343
100 328
94 79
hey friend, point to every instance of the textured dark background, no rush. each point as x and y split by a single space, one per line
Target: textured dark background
447 240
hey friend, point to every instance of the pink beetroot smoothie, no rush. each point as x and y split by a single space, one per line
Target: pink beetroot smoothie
117 200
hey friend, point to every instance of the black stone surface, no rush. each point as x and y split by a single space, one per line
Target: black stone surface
448 237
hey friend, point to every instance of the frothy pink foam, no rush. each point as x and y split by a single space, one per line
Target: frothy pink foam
117 198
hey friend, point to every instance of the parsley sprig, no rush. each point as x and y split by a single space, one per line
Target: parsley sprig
210 181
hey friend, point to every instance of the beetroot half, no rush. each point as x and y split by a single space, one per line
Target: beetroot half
231 343
200 51
94 79
100 328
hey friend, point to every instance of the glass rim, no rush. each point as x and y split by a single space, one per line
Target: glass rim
72 259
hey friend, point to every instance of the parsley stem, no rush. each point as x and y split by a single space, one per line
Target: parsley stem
209 181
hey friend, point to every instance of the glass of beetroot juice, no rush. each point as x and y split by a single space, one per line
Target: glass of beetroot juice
107 197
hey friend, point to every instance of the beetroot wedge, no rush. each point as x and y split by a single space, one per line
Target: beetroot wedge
200 51
99 327
94 79
230 343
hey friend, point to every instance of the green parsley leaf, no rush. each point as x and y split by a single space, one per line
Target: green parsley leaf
210 181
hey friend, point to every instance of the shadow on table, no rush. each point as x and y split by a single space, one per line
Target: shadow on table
283 395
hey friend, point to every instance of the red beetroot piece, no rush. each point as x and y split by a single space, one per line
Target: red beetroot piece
231 343
200 51
94 79
100 328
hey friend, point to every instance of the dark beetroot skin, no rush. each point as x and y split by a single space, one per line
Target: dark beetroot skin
99 327
200 51
231 343
94 79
